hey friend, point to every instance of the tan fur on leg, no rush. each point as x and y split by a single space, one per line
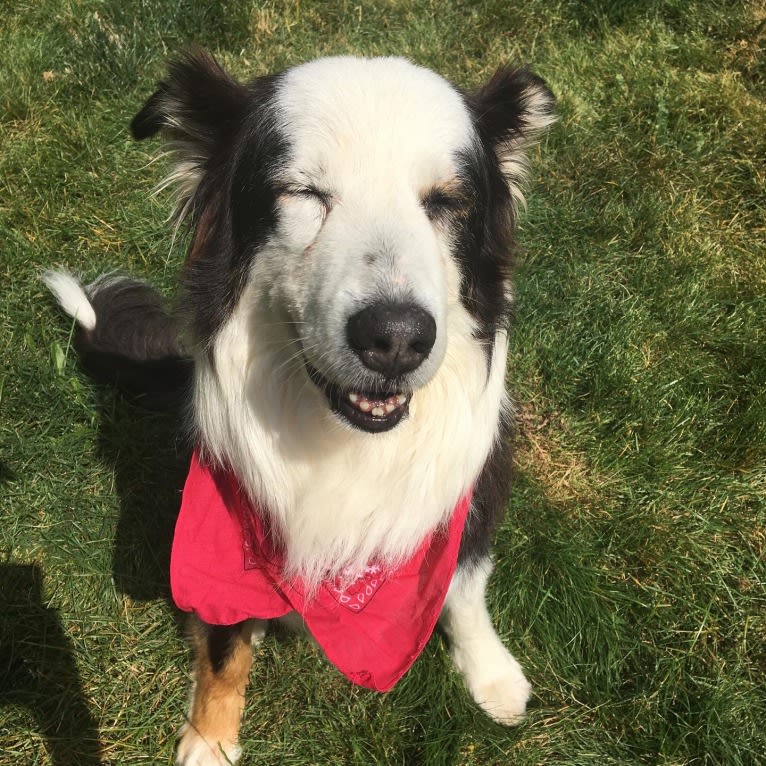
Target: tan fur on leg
209 738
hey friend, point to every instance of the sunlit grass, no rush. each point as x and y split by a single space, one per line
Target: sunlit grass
630 574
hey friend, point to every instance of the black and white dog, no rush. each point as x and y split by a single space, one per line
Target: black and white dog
343 328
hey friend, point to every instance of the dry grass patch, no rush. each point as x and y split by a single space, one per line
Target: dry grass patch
544 453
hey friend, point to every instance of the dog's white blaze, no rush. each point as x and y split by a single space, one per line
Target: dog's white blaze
371 117
407 126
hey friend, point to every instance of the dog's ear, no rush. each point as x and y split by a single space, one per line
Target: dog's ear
510 112
198 102
198 107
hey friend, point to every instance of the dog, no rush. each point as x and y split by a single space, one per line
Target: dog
341 337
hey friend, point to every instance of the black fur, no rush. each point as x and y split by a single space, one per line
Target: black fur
490 499
199 101
486 244
220 641
486 249
500 107
135 344
229 128
234 210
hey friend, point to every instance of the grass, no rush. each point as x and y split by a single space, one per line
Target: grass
630 577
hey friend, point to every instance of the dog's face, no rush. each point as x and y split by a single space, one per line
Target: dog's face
366 204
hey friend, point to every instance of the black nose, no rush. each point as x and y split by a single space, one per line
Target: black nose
391 338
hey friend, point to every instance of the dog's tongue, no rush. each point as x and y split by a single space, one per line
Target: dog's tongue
377 407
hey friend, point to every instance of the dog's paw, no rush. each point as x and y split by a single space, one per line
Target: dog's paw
195 750
495 680
504 697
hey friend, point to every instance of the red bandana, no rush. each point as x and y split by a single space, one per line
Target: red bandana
224 568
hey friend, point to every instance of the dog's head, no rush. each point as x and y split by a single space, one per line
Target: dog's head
366 204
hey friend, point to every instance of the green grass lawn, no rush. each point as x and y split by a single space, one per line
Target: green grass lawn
630 579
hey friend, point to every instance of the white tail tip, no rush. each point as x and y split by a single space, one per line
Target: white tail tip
71 296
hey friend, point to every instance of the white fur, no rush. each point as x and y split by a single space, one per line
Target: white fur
375 135
491 673
71 296
338 496
194 750
183 179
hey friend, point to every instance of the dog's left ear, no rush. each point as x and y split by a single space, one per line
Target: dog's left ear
196 102
510 112
197 108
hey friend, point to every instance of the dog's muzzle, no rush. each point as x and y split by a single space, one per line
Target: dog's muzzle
391 340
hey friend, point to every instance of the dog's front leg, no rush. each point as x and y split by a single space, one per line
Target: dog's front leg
491 673
222 660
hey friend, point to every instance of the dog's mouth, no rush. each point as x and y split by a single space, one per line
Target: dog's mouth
374 412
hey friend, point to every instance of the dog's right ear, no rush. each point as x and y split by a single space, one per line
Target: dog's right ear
199 103
198 107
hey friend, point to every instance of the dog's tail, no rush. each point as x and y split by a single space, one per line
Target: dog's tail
125 336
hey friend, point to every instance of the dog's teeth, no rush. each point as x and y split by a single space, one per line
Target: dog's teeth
376 406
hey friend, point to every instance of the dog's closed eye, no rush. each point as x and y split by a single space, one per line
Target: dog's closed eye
304 211
440 202
310 193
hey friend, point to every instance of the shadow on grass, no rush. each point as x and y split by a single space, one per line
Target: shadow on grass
38 672
150 458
